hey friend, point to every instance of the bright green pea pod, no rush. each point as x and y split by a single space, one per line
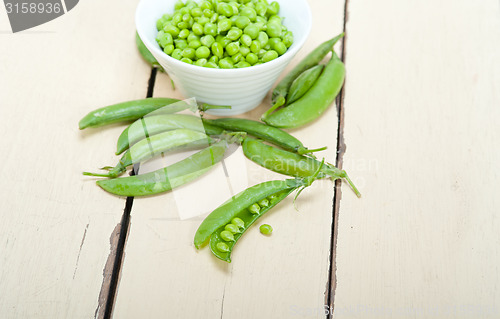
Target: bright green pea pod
263 131
155 145
291 164
303 83
151 125
234 207
146 54
280 92
129 111
317 99
249 219
167 178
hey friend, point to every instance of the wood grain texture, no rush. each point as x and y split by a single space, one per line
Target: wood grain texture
282 276
56 224
422 131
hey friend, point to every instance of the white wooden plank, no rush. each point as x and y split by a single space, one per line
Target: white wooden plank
278 277
421 128
56 224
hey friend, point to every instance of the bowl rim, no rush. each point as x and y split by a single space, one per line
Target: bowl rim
290 53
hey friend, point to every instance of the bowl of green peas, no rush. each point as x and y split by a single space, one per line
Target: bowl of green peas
224 52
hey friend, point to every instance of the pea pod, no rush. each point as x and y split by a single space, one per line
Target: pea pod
151 125
291 164
129 111
146 54
280 92
303 83
155 145
263 131
167 178
310 106
238 207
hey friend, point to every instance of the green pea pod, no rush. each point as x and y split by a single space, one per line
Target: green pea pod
317 99
239 204
303 83
146 55
263 131
280 92
155 145
291 164
129 111
216 239
167 178
151 125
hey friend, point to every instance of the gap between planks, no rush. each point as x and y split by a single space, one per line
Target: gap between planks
118 240
337 194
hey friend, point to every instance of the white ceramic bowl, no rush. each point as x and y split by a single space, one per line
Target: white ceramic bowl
242 89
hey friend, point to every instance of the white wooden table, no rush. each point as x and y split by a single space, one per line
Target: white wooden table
417 127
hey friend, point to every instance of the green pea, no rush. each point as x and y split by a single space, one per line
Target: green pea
261 53
237 57
273 198
214 59
261 20
201 62
210 28
242 22
225 9
274 30
280 47
177 54
249 12
194 44
214 18
262 38
176 18
244 50
224 41
203 20
205 5
180 44
252 30
235 6
184 10
160 24
168 49
274 19
211 65
187 60
264 202
238 222
242 64
273 41
183 34
207 13
226 235
178 5
166 39
196 12
261 9
273 8
252 58
288 39
233 48
254 208
223 247
266 229
269 56
255 47
207 40
182 25
188 53
186 17
197 28
245 39
193 37
173 30
202 52
217 49
226 63
234 34
232 228
224 25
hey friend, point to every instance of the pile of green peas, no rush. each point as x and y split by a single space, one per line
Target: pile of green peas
224 34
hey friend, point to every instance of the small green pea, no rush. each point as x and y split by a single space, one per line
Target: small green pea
273 198
249 12
274 30
237 57
205 5
214 59
238 222
261 53
288 39
187 60
203 20
194 44
168 49
183 34
255 47
280 47
252 58
177 54
252 30
196 12
266 229
224 25
226 235
188 53
273 41
225 9
223 247
166 39
211 65
202 52
210 28
214 18
207 40
273 8
234 34
226 63
261 9
186 17
269 56
217 49
178 5
207 13
244 50
246 40
176 18
232 228
201 62
180 44
233 48
262 38
193 37
197 28
173 30
264 202
242 22
242 64
224 41
182 25
254 208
